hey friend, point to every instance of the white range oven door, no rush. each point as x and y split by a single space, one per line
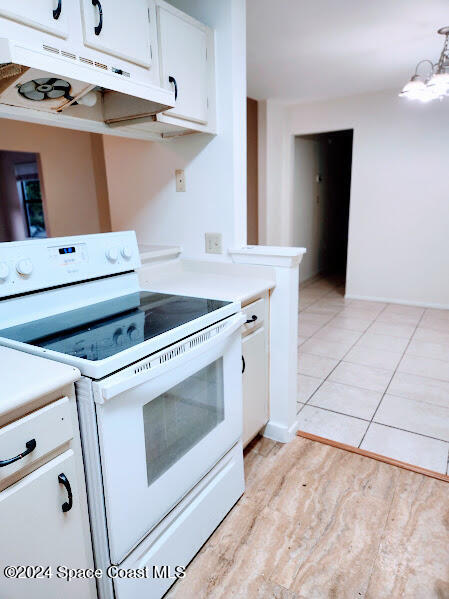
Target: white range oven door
163 423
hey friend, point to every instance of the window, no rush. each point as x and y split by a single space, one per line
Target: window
30 191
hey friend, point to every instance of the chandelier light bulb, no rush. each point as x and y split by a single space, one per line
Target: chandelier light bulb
440 83
414 89
436 83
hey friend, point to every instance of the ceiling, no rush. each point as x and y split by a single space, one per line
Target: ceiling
299 50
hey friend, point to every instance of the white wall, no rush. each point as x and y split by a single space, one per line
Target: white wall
399 216
141 175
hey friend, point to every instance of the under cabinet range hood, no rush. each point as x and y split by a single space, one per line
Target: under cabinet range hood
73 88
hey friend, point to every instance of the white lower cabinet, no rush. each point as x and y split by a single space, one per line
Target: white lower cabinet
255 370
37 532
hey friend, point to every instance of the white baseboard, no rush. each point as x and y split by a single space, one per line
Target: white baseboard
390 300
280 433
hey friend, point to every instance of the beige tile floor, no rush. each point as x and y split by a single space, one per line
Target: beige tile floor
374 375
317 522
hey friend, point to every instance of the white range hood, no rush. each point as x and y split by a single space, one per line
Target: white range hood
63 86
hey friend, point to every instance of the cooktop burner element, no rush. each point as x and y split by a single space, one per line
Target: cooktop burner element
104 329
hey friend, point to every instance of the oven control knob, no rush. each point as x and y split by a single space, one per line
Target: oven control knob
112 255
24 267
127 252
4 271
119 337
132 333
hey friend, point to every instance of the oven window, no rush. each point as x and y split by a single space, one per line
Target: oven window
179 418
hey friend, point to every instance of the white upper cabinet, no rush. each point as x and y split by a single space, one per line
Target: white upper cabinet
45 15
121 29
183 58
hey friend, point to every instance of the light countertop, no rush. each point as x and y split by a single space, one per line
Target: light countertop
225 281
26 378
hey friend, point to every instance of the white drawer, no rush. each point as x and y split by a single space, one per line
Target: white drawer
176 540
44 431
255 314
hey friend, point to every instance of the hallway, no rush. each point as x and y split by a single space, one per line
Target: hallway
374 375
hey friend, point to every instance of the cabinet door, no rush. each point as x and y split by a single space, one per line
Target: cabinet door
183 57
118 28
255 396
44 15
35 531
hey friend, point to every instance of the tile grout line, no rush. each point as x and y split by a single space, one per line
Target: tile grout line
391 378
328 375
380 424
388 384
325 379
342 359
419 401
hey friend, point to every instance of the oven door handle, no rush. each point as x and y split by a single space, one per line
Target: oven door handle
127 379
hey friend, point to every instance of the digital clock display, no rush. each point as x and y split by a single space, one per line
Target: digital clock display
70 250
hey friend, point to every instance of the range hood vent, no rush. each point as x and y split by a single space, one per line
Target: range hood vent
77 86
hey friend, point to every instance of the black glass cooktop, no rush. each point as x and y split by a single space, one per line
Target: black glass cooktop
101 330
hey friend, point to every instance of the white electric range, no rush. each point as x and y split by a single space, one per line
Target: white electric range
159 401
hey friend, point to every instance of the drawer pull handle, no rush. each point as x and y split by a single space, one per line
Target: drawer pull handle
243 365
252 319
30 446
63 480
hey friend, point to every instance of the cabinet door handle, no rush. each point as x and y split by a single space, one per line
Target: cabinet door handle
98 27
57 10
171 79
30 446
63 480
243 365
252 319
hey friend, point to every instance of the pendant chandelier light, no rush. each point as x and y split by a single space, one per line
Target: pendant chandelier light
432 81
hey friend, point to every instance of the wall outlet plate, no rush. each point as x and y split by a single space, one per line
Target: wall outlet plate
180 179
214 244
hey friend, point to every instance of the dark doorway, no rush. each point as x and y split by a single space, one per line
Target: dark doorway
323 164
21 203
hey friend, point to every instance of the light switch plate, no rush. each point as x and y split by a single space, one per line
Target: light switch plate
214 243
180 179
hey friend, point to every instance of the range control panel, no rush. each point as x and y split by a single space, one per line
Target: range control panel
36 264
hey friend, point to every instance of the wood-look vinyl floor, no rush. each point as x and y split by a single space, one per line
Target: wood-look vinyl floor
318 522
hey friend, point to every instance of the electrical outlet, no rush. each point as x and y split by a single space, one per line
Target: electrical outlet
180 179
214 243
